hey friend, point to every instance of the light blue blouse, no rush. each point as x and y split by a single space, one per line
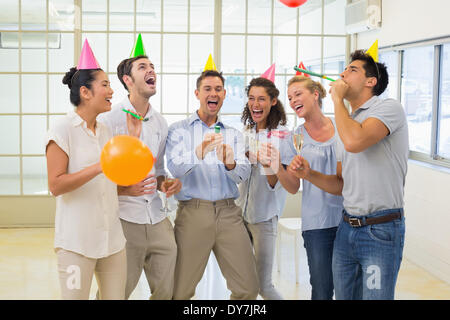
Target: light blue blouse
258 200
320 209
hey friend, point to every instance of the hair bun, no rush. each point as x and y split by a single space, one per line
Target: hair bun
68 77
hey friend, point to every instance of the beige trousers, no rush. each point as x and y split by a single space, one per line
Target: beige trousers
152 248
76 271
202 226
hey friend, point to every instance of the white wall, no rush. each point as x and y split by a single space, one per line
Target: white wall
408 20
427 241
426 192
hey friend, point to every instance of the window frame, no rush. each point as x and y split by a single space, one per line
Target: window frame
217 34
433 157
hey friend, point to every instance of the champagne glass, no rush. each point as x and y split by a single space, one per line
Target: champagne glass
298 141
253 147
167 183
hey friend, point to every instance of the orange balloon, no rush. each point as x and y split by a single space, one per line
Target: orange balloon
126 160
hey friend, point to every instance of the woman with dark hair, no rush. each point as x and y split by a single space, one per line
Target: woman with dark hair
88 235
262 197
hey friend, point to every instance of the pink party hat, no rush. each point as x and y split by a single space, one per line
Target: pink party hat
270 73
87 59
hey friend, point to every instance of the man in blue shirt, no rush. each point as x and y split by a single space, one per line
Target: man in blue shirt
208 157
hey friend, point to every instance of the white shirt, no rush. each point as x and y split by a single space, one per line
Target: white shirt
258 200
143 209
87 220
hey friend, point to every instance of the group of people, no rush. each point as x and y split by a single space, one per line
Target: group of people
231 186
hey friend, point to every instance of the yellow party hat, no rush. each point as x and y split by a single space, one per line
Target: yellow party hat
373 51
210 65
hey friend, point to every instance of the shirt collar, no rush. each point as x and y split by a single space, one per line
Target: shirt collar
76 119
366 105
194 117
126 104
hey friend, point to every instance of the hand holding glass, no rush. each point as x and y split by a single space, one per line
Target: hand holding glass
167 183
298 142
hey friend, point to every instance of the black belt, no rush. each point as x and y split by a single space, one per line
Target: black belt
360 222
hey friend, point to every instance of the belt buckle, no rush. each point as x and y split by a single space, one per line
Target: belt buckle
354 222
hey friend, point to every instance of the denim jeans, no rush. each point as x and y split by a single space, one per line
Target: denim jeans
366 260
319 250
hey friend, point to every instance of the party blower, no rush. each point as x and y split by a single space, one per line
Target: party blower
313 74
135 115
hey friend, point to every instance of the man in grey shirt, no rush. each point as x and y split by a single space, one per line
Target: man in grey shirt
372 163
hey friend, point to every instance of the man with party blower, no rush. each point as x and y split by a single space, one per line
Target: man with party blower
372 163
210 164
151 245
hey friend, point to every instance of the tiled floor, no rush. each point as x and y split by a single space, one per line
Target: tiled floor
28 271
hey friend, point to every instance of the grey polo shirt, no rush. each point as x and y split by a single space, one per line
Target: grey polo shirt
374 179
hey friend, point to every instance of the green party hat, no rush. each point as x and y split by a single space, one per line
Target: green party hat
138 49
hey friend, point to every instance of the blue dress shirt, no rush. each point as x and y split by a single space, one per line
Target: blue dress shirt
206 179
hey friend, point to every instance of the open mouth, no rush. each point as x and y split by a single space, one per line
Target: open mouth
108 99
212 104
298 107
257 112
150 80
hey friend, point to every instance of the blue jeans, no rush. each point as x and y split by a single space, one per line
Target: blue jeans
319 249
366 260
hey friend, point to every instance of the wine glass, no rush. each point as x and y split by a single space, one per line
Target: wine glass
167 183
298 141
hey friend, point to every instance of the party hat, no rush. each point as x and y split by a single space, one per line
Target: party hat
138 49
210 65
373 51
301 66
87 59
270 73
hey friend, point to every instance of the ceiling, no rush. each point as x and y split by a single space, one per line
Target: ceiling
62 11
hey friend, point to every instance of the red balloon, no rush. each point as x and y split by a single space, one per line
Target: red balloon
293 3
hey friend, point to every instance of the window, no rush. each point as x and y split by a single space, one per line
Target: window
417 90
37 49
390 59
424 92
444 105
34 55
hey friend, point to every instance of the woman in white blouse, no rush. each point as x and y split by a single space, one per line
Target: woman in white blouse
88 235
262 197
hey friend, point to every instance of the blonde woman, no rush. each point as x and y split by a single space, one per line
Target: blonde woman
321 211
